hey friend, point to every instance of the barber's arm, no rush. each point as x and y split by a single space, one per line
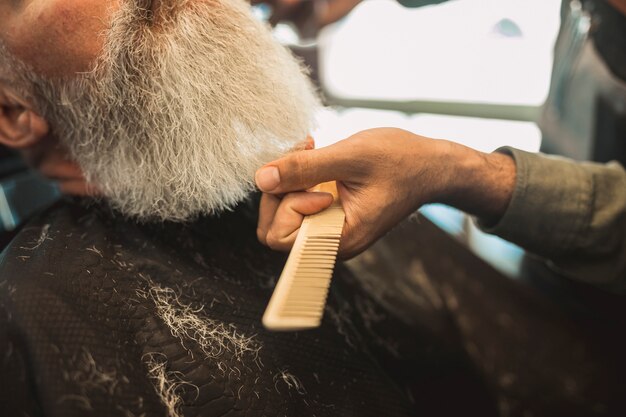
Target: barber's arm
319 13
567 212
571 213
383 176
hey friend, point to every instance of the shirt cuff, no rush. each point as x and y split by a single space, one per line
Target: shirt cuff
550 207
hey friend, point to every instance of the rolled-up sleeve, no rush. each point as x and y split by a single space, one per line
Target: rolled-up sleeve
573 214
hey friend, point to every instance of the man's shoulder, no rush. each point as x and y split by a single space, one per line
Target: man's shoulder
82 257
92 290
61 240
80 242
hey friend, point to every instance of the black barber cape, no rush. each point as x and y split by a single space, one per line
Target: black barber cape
102 316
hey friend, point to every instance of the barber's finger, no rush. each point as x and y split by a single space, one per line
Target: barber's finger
283 10
290 214
267 209
77 187
61 170
302 170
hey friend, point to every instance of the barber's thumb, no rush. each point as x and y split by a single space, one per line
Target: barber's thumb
267 178
295 172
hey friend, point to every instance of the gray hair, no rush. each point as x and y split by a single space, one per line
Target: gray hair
178 113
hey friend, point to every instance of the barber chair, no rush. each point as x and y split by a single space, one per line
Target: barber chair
22 193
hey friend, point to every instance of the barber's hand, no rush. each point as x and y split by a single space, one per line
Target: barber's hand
300 12
53 162
382 175
308 15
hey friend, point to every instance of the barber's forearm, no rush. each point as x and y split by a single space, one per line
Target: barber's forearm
383 176
480 184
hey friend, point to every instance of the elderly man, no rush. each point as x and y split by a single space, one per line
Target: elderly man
169 107
116 307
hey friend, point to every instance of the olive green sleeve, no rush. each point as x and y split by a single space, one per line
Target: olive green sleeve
573 214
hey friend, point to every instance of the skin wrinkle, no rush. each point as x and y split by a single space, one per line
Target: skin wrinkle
172 123
56 38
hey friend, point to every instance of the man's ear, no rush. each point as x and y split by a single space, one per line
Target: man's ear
20 126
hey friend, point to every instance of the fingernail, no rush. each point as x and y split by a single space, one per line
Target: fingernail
267 178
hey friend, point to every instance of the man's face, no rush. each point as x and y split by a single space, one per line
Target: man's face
169 106
56 37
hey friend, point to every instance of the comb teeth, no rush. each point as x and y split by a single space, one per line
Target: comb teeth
300 295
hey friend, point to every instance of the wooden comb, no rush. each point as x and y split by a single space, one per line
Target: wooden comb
300 295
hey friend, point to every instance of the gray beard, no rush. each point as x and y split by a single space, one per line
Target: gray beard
181 109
